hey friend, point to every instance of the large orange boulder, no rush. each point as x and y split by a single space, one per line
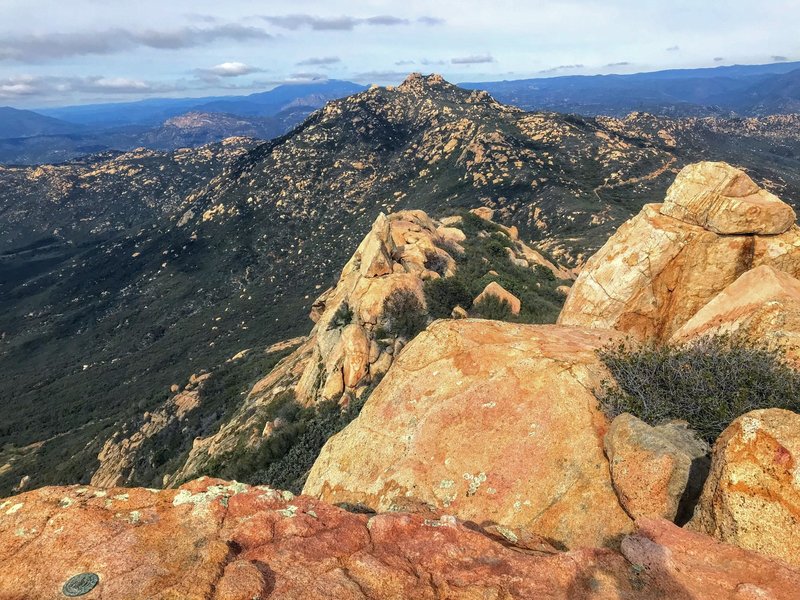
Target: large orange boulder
763 304
752 495
666 263
653 275
494 422
724 199
226 541
654 469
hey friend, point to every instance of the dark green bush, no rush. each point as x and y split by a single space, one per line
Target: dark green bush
436 262
492 307
342 317
443 295
404 313
708 383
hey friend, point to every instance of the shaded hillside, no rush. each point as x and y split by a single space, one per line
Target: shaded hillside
124 276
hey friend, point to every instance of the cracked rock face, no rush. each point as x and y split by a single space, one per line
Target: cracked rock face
493 421
661 267
219 540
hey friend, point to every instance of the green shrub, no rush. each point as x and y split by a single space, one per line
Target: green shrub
708 383
342 317
436 262
492 307
448 246
404 313
443 295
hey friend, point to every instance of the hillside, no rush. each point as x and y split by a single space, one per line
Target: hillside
125 275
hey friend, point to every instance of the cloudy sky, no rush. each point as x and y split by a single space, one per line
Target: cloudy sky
56 52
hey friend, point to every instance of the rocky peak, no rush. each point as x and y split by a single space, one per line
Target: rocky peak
419 83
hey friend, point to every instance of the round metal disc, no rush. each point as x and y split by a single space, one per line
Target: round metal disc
80 584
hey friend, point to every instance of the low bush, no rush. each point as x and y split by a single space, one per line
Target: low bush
708 383
436 262
443 295
404 313
342 317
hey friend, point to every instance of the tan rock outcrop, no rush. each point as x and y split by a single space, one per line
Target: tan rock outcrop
219 540
497 290
492 421
657 271
651 466
484 212
723 199
118 457
763 304
752 495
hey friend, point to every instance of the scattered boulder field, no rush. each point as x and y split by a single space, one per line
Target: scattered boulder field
481 464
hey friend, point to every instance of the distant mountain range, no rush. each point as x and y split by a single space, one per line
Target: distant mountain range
744 90
59 134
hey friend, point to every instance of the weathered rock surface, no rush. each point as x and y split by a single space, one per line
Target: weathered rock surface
752 495
657 271
651 467
723 199
689 566
498 291
215 540
763 304
494 422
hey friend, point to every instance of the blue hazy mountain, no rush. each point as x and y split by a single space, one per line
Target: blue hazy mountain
739 89
22 123
154 111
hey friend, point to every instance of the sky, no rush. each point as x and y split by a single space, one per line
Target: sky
59 52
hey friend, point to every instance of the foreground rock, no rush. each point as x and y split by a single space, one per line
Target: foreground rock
660 268
655 470
763 304
494 422
752 495
215 540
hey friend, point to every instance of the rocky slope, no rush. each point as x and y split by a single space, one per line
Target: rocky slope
480 465
500 424
117 287
356 337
